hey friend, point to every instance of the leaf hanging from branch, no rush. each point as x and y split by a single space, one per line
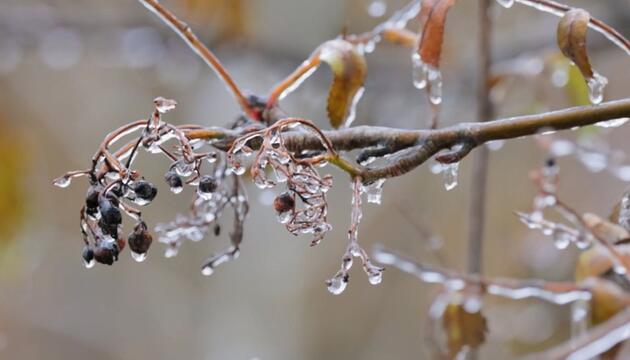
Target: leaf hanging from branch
349 69
463 329
571 36
433 19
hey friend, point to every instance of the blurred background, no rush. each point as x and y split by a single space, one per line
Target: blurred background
71 71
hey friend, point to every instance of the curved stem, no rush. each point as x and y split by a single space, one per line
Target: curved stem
184 31
559 9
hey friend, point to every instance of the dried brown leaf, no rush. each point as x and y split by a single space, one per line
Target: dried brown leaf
349 69
433 20
571 35
463 329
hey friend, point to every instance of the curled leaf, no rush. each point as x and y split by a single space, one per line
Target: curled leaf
463 329
349 69
571 36
433 19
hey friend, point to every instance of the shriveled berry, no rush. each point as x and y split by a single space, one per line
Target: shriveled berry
110 214
173 180
284 202
140 240
144 190
106 252
207 184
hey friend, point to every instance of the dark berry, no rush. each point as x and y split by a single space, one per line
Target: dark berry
108 229
207 184
173 180
217 230
284 202
144 190
106 252
88 254
110 214
140 240
91 198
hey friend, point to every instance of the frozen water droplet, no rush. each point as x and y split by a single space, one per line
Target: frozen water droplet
164 105
506 3
561 147
140 201
171 252
374 191
596 85
375 277
89 264
619 269
285 217
377 8
561 240
495 145
139 257
613 123
419 71
176 189
207 270
63 182
238 170
434 77
337 284
183 169
450 173
472 304
204 195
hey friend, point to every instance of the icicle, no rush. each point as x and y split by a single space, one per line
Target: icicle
579 318
419 71
596 85
374 191
434 77
449 172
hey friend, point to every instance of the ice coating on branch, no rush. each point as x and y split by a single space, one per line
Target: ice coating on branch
580 311
63 181
300 178
337 284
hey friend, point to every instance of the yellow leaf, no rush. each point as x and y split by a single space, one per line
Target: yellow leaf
463 329
349 69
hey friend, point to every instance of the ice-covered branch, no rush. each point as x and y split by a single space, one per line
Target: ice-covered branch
554 292
411 148
597 341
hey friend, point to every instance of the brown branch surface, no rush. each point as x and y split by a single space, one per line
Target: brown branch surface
414 147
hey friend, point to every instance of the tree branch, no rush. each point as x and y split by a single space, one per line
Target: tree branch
597 341
184 31
414 147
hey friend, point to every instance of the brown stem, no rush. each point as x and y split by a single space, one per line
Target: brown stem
184 31
477 207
